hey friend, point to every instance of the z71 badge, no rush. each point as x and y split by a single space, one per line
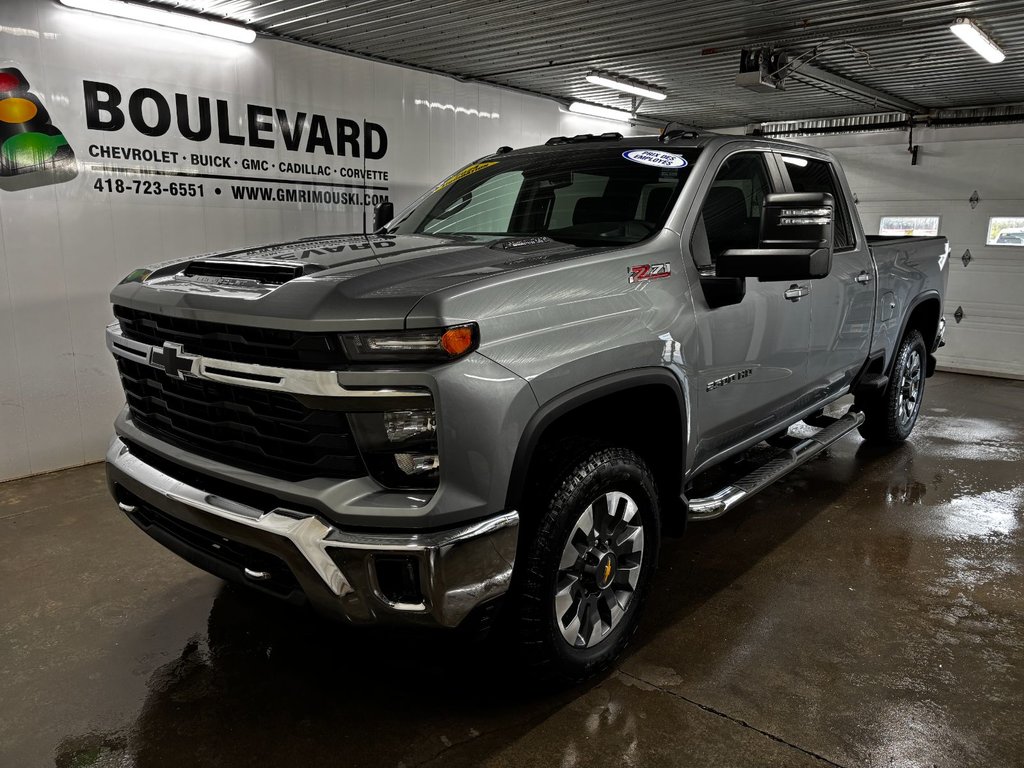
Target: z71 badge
649 272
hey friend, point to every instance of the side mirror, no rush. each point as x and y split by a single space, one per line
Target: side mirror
796 241
382 214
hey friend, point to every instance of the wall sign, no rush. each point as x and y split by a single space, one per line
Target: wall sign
319 159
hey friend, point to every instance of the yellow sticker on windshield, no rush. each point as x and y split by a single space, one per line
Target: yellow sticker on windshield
463 174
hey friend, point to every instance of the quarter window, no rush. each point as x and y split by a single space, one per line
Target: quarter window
817 176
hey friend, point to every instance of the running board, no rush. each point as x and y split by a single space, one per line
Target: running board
717 504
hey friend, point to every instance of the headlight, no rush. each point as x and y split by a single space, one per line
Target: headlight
420 346
399 447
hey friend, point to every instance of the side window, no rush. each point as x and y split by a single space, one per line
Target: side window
809 175
731 214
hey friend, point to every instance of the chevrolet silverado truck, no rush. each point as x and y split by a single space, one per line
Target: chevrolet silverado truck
494 403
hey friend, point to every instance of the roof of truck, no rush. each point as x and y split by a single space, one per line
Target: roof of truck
679 139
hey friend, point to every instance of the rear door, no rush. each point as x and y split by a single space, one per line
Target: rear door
752 355
842 304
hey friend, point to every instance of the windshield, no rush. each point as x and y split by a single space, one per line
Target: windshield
580 195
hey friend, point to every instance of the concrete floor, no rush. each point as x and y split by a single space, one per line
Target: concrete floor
867 611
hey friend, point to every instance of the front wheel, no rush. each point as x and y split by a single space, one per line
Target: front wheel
891 419
586 570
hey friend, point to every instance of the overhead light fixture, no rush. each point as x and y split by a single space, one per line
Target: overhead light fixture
971 34
160 17
626 86
593 110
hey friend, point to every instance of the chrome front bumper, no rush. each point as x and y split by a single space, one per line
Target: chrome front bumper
458 568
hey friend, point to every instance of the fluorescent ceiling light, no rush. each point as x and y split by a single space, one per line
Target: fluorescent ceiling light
164 18
582 108
969 32
625 86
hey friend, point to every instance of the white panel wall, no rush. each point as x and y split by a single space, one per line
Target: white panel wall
953 163
63 246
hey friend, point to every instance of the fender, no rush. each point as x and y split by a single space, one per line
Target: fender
918 300
581 395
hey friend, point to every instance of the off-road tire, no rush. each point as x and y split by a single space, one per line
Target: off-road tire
583 480
887 419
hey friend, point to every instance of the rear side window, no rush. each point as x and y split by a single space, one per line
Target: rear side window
817 176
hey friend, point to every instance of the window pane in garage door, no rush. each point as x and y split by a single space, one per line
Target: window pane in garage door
1005 230
917 226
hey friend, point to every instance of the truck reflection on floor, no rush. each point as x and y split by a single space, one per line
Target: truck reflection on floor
272 685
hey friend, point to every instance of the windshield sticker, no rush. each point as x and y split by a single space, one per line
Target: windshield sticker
656 158
463 174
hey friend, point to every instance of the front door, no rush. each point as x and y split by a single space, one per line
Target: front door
752 356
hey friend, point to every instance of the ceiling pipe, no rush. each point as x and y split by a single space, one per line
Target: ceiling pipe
894 125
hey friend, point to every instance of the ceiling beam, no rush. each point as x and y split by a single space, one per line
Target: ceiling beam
844 83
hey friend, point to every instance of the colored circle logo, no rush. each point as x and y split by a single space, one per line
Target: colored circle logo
17 110
8 82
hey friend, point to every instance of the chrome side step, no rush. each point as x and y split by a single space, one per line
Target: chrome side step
720 502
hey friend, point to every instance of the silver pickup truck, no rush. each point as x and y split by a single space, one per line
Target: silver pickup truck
485 412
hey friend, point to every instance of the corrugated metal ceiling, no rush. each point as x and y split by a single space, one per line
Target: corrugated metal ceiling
690 50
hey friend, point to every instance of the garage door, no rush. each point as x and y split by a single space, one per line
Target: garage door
986 279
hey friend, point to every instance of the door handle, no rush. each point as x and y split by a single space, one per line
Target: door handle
796 292
863 278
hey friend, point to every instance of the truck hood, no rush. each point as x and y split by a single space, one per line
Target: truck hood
343 282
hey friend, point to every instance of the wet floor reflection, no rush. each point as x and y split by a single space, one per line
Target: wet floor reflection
268 684
865 611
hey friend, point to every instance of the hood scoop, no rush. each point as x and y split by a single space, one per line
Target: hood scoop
225 271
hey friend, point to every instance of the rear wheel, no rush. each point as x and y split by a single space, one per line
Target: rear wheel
585 573
891 418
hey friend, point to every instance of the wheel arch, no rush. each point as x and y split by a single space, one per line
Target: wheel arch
643 408
923 314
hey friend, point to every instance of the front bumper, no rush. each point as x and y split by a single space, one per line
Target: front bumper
302 557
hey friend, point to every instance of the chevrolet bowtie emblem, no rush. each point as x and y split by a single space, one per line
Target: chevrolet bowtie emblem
174 361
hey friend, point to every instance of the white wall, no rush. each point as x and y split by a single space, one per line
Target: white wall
953 163
62 246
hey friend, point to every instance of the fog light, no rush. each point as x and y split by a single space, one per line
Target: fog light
401 425
399 448
417 463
